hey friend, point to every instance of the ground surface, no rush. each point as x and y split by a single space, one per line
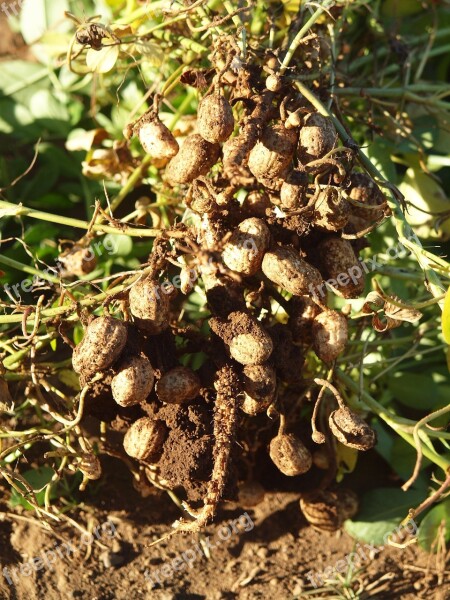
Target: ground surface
267 552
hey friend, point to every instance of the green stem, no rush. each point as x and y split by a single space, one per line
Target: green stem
301 34
389 419
183 106
358 63
407 93
14 264
18 210
133 179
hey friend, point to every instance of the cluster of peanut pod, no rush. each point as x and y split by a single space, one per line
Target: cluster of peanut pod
275 214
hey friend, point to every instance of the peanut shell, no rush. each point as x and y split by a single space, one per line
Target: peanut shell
330 335
133 381
317 138
259 383
290 455
150 305
351 430
245 249
178 386
157 140
271 157
101 346
144 439
339 263
331 210
284 267
215 118
195 158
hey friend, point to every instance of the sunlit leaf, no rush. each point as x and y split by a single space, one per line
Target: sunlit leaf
436 520
102 61
446 318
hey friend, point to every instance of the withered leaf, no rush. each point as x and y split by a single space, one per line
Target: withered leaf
394 315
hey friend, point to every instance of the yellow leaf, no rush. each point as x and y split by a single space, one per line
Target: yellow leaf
446 318
346 459
102 61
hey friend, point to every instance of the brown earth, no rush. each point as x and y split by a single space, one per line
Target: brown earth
267 550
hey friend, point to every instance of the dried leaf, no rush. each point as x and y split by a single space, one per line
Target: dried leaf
394 315
84 140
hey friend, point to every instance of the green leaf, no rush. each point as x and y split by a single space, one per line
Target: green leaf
401 8
78 334
50 112
380 153
398 454
415 390
39 16
69 378
431 524
35 234
446 318
20 80
381 512
427 199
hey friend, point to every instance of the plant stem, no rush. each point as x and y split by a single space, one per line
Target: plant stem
131 182
9 262
407 93
301 34
18 210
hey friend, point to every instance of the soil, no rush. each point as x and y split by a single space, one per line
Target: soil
269 551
